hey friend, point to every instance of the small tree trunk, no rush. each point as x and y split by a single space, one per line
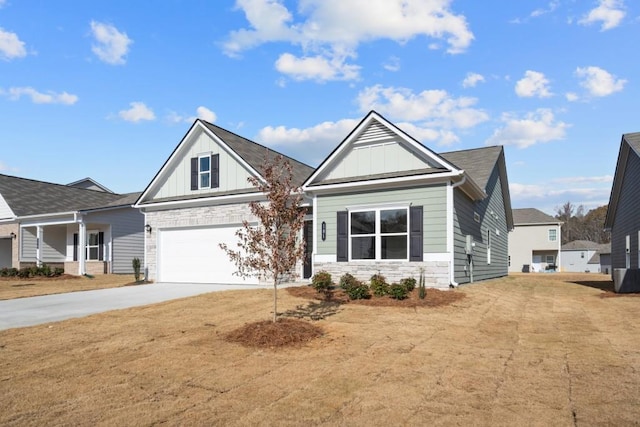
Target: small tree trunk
275 301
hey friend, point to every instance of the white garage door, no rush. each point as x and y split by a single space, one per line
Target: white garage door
193 255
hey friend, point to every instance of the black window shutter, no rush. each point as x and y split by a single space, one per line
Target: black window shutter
215 170
75 246
415 233
100 246
194 173
342 237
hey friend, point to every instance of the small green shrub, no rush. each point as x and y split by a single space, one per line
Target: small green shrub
379 285
24 273
422 289
58 271
347 281
398 291
358 291
321 281
45 270
409 283
135 263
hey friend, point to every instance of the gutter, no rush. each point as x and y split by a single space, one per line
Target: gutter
453 283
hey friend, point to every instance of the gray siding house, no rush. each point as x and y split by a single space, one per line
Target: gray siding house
383 202
380 202
623 216
534 242
582 256
85 231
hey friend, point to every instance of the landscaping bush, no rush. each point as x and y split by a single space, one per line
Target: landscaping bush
9 272
33 271
135 263
409 283
398 291
58 271
379 285
347 281
321 281
358 290
422 289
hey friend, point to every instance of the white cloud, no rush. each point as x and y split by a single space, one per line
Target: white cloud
316 68
546 196
393 64
11 46
325 133
606 179
435 108
201 113
138 112
533 84
553 5
571 96
50 97
599 82
333 30
472 80
609 12
111 45
535 127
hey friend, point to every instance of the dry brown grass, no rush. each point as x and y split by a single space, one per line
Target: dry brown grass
11 288
539 349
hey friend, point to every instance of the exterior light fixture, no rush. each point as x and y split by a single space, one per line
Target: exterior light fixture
148 228
13 235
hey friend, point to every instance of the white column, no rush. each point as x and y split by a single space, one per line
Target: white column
82 248
39 245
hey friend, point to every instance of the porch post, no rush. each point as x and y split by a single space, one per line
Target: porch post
82 247
39 246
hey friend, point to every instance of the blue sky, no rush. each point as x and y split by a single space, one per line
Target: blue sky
107 89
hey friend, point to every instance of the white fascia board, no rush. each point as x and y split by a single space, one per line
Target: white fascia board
384 183
204 201
45 216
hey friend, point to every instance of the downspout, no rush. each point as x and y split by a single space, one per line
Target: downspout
452 263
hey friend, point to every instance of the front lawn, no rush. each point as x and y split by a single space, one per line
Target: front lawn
538 349
11 287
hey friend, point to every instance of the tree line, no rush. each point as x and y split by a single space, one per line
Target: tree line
579 225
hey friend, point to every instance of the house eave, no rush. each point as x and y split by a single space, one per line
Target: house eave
200 202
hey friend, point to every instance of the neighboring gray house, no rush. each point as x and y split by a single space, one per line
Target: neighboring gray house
580 256
534 243
381 202
602 259
84 231
623 216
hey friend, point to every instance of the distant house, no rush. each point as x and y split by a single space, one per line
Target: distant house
623 215
581 256
84 231
602 259
534 242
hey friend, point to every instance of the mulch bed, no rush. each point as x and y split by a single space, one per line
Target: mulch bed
609 294
434 298
268 334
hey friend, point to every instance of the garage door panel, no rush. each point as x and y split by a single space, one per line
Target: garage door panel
193 255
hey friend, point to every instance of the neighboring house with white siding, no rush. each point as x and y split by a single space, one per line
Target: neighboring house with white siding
623 216
85 231
380 202
534 242
582 256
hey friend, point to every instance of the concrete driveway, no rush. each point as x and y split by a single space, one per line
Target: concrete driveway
17 313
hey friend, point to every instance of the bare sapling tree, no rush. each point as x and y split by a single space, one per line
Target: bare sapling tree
272 249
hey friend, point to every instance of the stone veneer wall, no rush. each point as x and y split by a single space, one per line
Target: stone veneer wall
5 230
436 273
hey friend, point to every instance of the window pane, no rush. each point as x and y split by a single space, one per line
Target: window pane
205 164
93 253
363 222
363 247
393 221
204 180
92 239
394 247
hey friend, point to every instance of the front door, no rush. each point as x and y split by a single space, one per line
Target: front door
308 249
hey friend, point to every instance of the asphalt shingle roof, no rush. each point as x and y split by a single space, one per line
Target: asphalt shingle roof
477 162
255 154
30 197
532 216
578 245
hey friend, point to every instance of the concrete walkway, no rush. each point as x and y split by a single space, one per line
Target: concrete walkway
20 312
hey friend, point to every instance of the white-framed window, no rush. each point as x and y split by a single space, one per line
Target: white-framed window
627 252
476 217
379 234
488 246
553 235
93 245
550 259
204 171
